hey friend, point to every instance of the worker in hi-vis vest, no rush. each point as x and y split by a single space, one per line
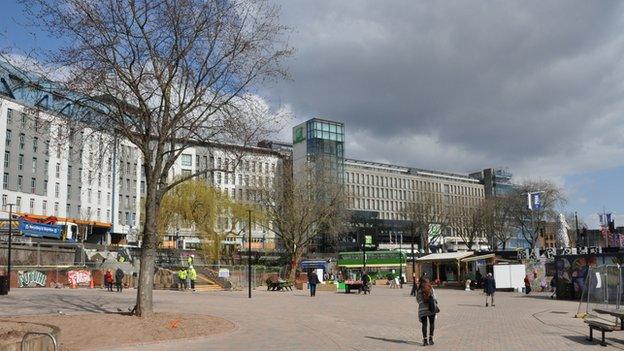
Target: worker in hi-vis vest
190 260
182 275
192 274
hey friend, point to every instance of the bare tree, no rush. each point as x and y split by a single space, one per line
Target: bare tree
497 221
167 75
571 219
469 224
300 209
530 221
427 209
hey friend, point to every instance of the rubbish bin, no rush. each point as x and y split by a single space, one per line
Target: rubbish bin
4 284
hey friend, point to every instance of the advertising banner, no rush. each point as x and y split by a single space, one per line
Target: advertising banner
40 229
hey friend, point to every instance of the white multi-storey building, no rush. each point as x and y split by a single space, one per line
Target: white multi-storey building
243 172
95 180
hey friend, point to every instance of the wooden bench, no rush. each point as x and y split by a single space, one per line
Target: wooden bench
279 286
602 327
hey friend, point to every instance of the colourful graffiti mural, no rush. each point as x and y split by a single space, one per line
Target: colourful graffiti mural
31 279
79 277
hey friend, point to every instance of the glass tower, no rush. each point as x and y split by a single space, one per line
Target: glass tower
318 145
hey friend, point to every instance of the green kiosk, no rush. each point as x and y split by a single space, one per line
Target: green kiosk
378 264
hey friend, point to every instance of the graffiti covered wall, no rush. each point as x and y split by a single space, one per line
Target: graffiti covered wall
31 279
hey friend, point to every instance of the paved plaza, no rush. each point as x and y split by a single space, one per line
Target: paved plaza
384 320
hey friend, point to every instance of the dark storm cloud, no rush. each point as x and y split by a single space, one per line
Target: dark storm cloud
463 85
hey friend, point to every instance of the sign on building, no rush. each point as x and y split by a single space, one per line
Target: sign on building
40 229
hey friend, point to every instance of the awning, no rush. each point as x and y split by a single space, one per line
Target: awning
445 256
477 258
374 265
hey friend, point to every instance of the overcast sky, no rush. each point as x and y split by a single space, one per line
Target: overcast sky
460 85
463 85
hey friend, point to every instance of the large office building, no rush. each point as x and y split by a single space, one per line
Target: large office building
381 195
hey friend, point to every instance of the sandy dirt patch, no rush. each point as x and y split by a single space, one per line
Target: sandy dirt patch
14 331
91 331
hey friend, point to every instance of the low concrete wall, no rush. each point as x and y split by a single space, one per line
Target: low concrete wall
34 255
56 277
35 342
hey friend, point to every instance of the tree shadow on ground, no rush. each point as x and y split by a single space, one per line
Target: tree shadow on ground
51 303
396 341
469 305
537 297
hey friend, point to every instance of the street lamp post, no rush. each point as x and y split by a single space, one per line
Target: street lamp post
363 251
577 228
401 261
10 240
249 254
413 292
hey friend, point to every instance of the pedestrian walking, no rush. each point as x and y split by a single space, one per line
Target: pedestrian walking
527 284
108 280
312 281
366 283
489 288
119 275
192 276
427 309
182 274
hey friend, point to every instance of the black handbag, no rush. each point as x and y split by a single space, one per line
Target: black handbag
433 305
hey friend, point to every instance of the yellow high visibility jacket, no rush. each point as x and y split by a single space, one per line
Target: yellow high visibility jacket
182 274
192 274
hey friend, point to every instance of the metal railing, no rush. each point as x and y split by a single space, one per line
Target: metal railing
54 342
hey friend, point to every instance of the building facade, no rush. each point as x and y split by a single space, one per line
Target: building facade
496 181
95 179
380 196
52 169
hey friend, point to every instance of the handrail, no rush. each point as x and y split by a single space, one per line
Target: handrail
39 333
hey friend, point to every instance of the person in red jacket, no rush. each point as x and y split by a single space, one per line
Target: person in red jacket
108 280
527 284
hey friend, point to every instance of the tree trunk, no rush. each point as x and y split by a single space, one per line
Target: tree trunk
296 258
144 305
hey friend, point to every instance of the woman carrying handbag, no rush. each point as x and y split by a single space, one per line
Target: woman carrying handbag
427 309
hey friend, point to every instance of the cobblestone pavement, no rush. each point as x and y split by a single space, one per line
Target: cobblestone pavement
384 320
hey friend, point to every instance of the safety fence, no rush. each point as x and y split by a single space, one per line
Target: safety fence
602 290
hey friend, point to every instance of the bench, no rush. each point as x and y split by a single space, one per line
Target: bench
602 327
615 313
279 286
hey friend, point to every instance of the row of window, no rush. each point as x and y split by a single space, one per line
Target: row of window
398 206
412 184
229 164
243 180
22 142
404 195
32 208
